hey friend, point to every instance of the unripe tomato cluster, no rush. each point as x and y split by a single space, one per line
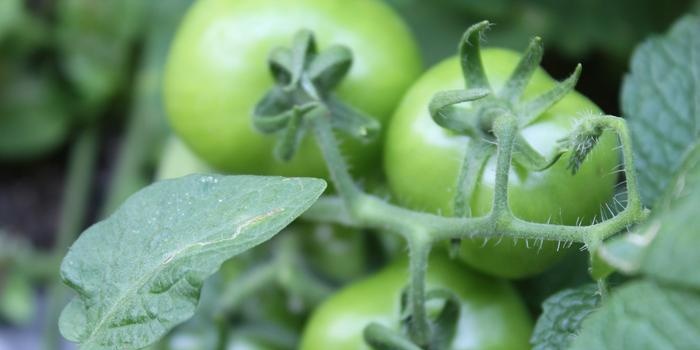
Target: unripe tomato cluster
217 70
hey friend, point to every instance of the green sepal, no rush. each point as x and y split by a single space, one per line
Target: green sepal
303 51
529 158
291 137
380 337
329 67
273 111
442 110
304 79
444 327
280 63
531 110
470 56
352 121
470 174
521 75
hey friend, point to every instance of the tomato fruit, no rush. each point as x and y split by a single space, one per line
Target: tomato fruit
492 315
423 160
217 70
335 252
178 160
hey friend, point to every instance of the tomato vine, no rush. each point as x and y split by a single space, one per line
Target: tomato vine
308 106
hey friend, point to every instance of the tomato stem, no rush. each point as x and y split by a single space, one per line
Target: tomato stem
421 229
419 249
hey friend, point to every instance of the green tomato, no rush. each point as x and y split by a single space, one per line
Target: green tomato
337 253
178 160
422 162
217 71
241 341
492 316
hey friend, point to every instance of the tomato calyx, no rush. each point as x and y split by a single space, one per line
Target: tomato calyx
483 103
475 110
304 82
444 307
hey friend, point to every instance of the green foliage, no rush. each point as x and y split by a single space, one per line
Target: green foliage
94 40
661 100
139 273
644 315
20 31
562 315
574 27
147 127
659 310
670 232
33 116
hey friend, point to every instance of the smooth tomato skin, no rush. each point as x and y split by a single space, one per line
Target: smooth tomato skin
178 160
337 253
217 70
422 162
492 315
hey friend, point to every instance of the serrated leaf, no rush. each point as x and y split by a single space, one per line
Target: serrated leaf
643 315
666 246
661 100
139 272
562 315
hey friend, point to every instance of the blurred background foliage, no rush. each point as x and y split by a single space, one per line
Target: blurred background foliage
76 74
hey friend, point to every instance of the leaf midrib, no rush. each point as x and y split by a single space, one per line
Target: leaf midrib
169 260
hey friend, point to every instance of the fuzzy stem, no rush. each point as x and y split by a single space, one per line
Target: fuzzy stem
336 165
418 264
372 212
421 229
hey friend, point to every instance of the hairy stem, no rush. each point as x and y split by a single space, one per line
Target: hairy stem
369 211
337 167
421 230
418 264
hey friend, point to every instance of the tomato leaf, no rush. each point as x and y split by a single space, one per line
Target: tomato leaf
95 44
562 315
34 118
660 311
139 272
661 100
665 247
643 315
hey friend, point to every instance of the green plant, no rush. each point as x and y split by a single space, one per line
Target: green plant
139 273
214 121
429 168
483 312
